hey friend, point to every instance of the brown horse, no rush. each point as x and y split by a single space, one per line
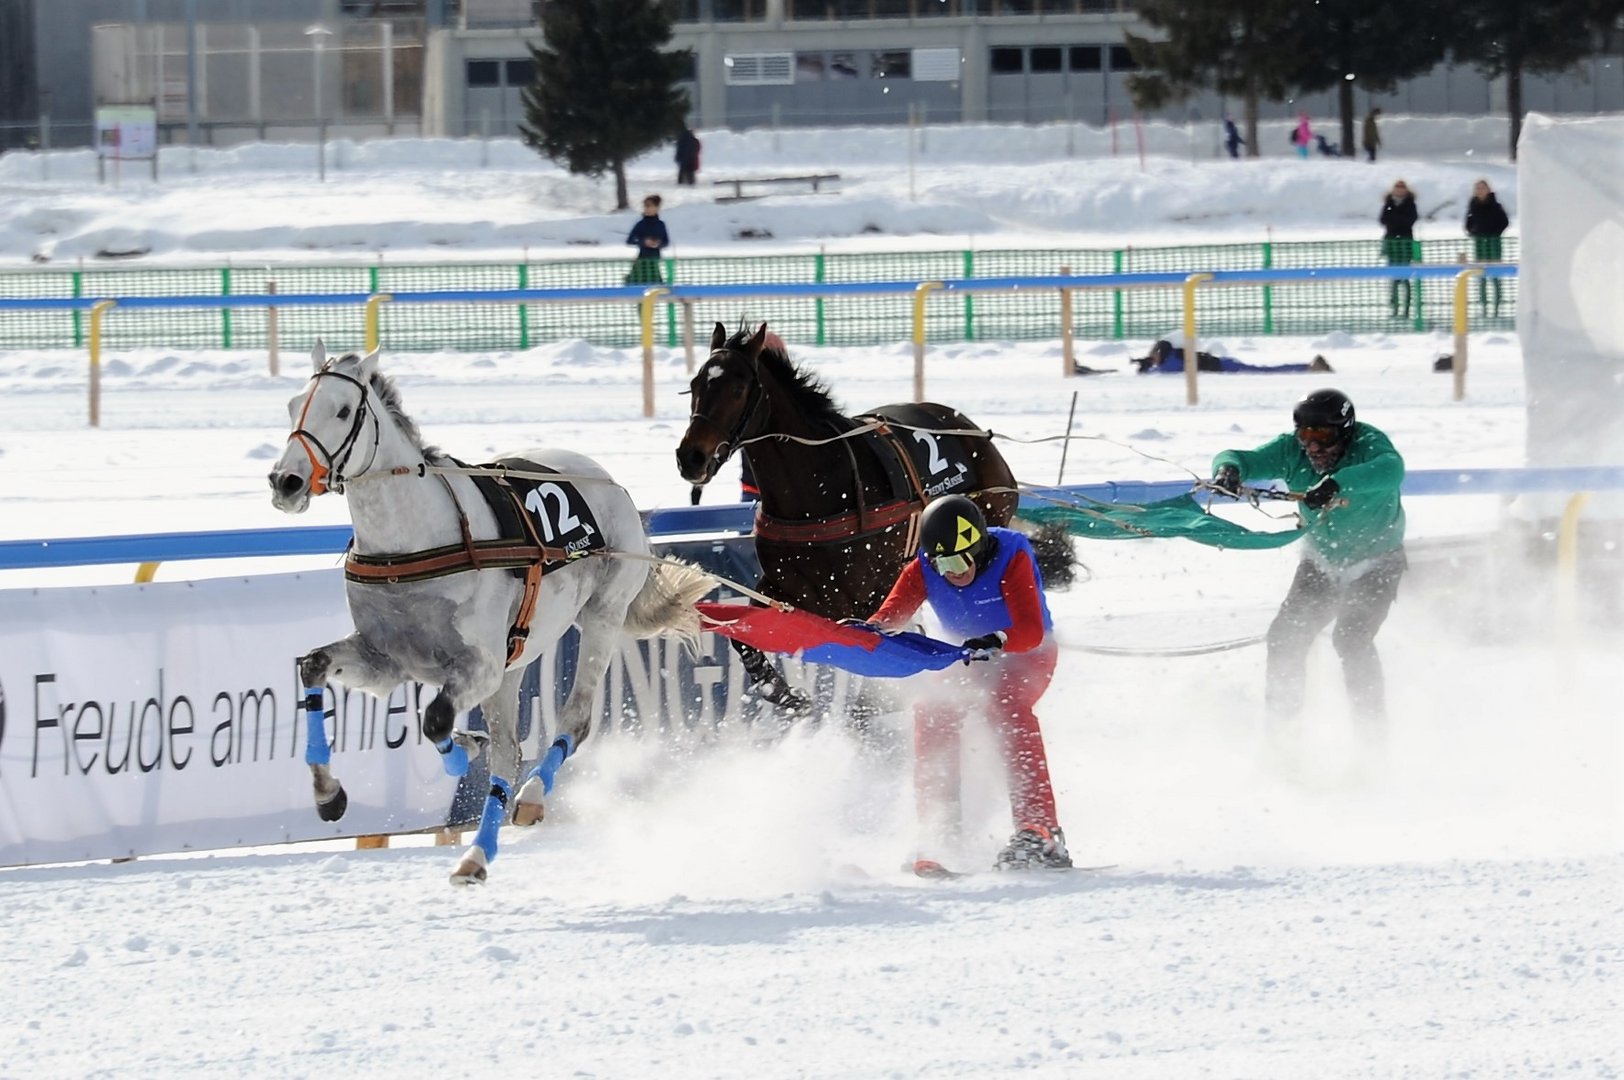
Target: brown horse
840 495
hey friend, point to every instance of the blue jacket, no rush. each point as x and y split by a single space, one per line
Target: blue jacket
646 227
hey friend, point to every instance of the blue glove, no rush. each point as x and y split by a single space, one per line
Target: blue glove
1320 495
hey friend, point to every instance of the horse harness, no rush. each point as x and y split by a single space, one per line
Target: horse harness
909 491
519 547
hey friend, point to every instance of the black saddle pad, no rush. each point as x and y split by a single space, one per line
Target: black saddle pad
557 508
945 463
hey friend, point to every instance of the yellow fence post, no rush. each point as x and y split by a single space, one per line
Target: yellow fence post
97 310
921 291
1463 283
145 572
1190 283
1067 354
373 303
647 311
1567 563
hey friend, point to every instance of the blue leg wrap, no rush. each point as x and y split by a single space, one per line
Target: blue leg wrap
491 820
453 757
547 767
316 749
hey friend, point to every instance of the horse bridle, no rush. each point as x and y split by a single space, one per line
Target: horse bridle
747 415
327 473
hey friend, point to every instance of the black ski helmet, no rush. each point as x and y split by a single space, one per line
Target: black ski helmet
1325 408
953 525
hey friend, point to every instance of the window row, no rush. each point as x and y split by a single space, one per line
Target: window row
1043 59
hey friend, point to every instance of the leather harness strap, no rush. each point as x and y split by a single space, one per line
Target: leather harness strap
526 554
867 520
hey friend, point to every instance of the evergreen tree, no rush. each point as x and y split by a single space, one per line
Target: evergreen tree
1231 46
1510 37
605 89
1377 42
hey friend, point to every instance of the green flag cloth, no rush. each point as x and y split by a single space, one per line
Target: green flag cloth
1181 516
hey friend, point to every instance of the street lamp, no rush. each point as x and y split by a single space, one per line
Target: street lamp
319 35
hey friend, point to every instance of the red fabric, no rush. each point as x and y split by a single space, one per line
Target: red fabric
1011 685
1020 591
904 599
778 631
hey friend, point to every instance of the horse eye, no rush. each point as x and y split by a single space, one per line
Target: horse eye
344 413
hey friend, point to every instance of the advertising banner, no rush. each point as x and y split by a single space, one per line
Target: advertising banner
140 719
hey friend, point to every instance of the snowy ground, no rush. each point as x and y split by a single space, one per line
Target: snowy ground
1448 905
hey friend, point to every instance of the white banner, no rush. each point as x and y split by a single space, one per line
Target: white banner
169 717
140 719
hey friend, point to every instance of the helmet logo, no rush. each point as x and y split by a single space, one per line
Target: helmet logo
968 535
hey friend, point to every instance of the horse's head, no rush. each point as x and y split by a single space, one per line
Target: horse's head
332 417
724 405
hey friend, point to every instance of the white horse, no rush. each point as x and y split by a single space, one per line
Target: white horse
459 577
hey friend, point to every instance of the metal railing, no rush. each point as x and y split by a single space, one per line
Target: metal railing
827 319
1056 291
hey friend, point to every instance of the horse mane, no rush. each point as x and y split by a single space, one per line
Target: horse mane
389 394
810 394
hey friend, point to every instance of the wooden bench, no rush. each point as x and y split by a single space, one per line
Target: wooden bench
738 184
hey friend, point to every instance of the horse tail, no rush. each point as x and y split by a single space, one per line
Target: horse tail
666 603
1057 556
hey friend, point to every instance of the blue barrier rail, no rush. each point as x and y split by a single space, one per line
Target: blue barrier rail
705 292
736 518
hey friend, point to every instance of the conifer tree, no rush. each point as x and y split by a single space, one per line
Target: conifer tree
1231 46
605 88
1510 37
1377 42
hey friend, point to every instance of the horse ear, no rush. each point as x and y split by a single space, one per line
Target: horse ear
757 340
318 355
718 337
369 364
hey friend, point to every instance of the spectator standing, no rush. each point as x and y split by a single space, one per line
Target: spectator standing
1350 475
650 239
1232 138
984 585
1398 242
1372 134
687 156
1303 137
1486 220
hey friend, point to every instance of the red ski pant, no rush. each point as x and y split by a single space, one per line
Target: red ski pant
1006 688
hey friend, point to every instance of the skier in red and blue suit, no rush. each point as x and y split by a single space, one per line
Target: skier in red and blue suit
983 584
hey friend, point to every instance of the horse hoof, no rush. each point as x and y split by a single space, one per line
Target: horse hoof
333 808
528 813
471 870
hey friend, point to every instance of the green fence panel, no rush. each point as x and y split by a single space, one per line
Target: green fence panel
1134 315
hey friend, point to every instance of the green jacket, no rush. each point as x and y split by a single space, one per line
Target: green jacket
1370 523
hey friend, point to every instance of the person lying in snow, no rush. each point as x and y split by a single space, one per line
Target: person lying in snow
1165 359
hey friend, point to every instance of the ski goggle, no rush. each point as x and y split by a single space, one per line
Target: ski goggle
1324 436
951 564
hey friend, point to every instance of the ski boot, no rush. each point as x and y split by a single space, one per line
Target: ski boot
1034 847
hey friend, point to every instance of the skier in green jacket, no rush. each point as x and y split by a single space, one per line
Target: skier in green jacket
1349 474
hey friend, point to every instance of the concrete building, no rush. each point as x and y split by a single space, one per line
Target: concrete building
227 71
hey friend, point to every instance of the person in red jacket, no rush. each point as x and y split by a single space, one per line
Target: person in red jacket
983 584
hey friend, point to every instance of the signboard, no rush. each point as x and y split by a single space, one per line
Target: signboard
126 132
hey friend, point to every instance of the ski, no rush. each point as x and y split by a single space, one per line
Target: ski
931 870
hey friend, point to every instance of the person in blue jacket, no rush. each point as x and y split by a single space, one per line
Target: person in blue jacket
1165 359
983 584
650 239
